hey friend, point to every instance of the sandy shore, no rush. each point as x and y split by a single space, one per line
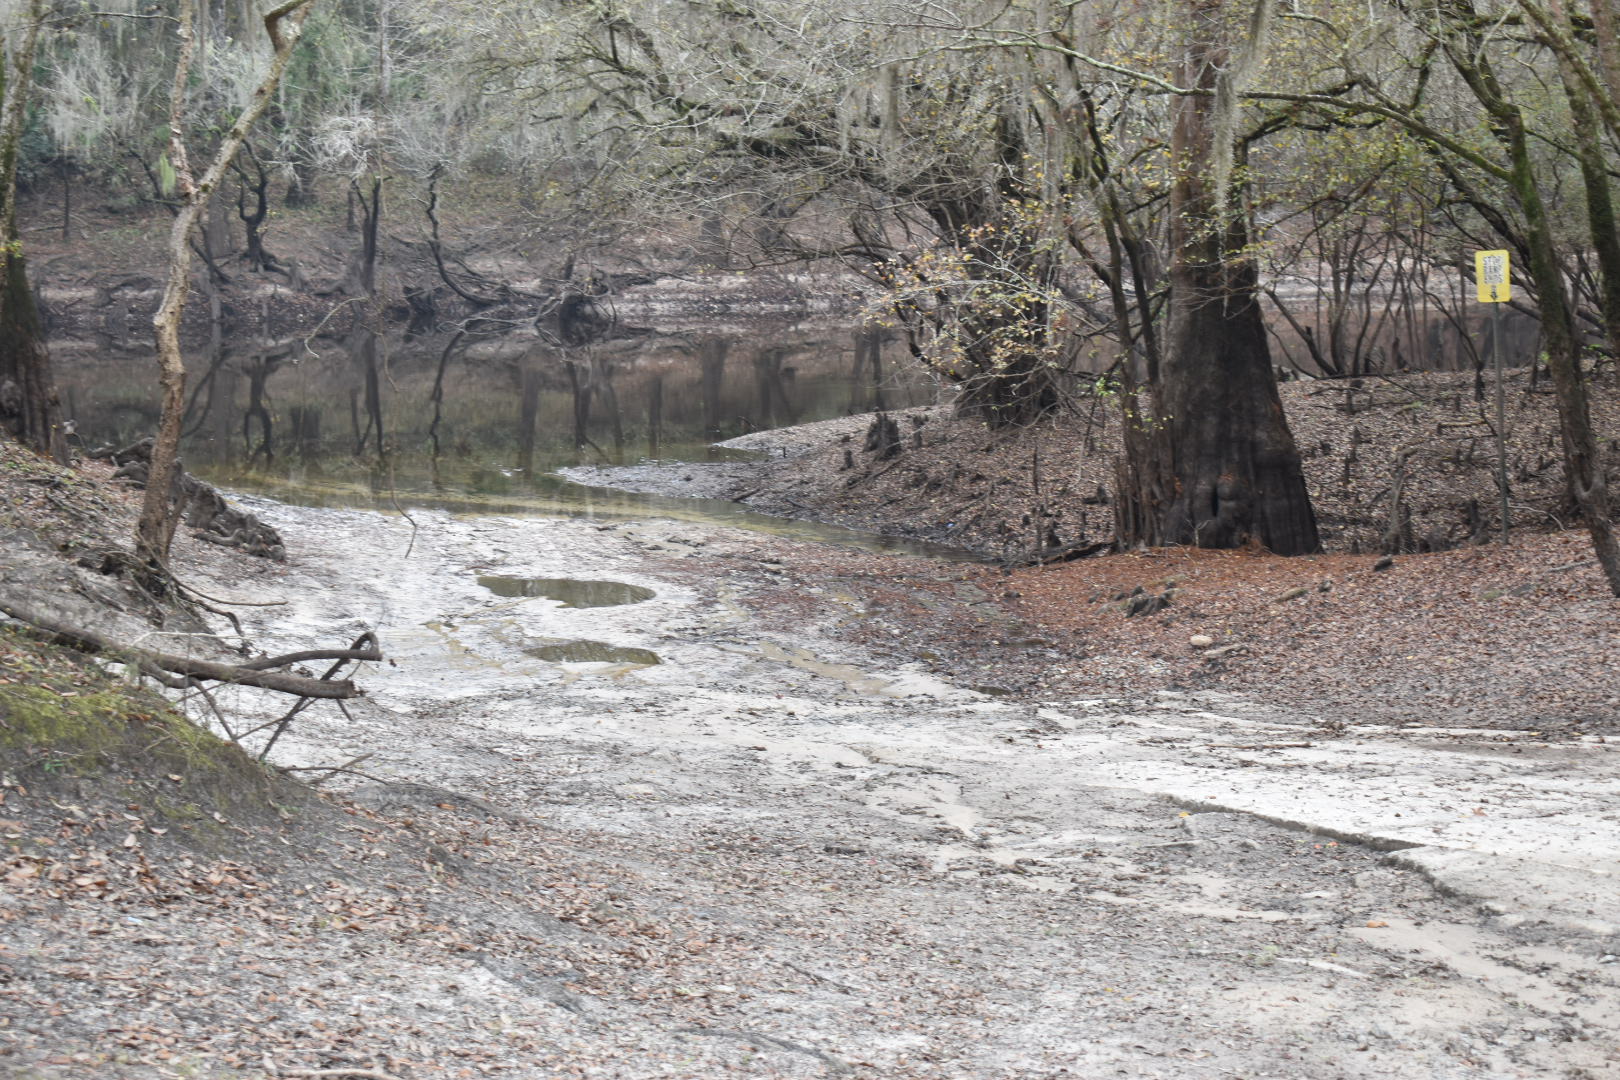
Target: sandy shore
796 810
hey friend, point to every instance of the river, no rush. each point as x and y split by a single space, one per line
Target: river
480 424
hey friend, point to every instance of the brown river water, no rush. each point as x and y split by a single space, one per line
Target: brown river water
480 424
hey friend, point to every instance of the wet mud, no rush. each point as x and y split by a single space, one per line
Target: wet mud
968 885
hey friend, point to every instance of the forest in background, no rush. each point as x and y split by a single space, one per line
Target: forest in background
1181 196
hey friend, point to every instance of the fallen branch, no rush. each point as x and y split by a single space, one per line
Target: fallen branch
364 648
194 591
347 767
369 652
219 714
1071 552
189 667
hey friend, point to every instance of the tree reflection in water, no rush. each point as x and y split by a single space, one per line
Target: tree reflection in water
461 414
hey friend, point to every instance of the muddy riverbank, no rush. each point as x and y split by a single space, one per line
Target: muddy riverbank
799 845
1470 634
1397 464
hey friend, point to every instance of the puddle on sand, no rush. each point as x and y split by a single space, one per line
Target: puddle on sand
568 591
580 651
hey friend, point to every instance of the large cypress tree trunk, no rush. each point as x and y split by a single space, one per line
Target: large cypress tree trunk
1231 472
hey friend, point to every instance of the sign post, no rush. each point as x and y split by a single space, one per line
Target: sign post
1493 283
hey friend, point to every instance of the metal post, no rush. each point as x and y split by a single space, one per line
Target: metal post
1501 414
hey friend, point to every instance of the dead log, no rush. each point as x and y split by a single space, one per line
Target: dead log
365 645
1071 552
252 674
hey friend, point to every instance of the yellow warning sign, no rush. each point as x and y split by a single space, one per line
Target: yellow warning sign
1493 277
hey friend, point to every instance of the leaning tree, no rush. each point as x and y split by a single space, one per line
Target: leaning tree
160 508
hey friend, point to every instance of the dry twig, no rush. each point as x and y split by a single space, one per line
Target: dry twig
358 1074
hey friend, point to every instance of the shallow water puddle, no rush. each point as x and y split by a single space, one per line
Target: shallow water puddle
568 592
580 651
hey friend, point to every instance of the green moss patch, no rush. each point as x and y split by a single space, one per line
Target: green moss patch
70 731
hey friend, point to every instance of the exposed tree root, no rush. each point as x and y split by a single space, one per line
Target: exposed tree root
210 516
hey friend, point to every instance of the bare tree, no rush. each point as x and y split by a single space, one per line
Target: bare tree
160 512
1504 177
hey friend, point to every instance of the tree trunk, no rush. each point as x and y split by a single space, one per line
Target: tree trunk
1234 473
301 190
160 513
258 185
1583 463
1231 472
30 410
215 233
360 279
1601 219
1606 18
